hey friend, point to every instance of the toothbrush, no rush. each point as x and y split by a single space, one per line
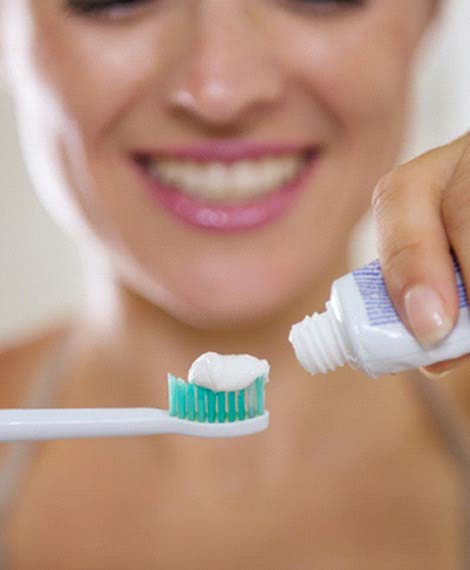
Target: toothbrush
194 411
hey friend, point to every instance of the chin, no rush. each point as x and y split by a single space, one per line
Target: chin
231 316
225 308
229 309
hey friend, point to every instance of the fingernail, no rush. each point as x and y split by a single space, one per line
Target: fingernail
435 375
427 315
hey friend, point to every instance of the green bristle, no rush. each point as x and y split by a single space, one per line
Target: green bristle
191 402
221 412
232 410
241 405
211 415
172 391
251 393
201 404
181 384
259 383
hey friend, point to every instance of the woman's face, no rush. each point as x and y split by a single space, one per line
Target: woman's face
221 150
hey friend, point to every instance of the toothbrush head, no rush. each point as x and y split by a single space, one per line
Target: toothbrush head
220 414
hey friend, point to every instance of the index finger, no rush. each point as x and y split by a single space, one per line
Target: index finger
414 249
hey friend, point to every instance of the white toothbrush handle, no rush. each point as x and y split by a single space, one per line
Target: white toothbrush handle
65 423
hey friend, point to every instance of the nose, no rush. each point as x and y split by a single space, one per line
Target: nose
229 71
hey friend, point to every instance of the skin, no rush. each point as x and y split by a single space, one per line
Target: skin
89 92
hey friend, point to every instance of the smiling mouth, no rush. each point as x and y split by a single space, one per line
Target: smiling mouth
219 183
227 187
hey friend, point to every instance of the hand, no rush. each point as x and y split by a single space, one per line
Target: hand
422 210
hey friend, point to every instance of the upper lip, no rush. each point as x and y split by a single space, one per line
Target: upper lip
226 151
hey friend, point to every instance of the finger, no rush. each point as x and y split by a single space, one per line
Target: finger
413 244
456 217
445 367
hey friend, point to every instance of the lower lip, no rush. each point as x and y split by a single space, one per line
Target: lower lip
246 215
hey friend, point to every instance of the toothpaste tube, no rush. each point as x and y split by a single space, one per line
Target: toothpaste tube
360 327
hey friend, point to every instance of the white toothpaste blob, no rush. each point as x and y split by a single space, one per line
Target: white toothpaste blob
227 373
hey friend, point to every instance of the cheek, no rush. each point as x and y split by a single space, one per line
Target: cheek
76 87
357 73
94 77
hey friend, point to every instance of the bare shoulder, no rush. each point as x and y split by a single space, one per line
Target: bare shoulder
20 358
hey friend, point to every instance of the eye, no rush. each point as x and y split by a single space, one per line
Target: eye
327 6
108 8
331 2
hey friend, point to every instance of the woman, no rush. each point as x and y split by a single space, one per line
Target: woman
228 103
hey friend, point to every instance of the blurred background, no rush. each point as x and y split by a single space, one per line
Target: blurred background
41 272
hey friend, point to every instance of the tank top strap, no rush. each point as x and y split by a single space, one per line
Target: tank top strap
452 430
19 455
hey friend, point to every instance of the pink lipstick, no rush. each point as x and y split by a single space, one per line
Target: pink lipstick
247 212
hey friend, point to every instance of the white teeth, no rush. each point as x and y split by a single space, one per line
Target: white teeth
242 178
216 177
218 181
